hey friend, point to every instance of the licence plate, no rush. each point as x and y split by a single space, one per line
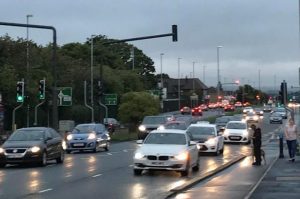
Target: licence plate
15 156
234 137
158 163
78 144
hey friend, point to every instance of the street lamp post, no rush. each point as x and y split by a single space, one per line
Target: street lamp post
27 65
92 76
204 67
218 70
194 76
179 83
161 75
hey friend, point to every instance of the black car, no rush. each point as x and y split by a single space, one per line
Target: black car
32 145
151 123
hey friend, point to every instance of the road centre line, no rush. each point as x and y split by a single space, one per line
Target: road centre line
97 175
45 190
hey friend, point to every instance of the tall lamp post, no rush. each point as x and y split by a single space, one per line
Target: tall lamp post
179 83
92 76
218 70
194 76
161 75
27 66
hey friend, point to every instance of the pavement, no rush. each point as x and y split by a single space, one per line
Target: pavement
281 179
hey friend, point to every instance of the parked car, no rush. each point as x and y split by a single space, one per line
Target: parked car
275 118
237 131
207 137
89 136
32 145
169 149
151 123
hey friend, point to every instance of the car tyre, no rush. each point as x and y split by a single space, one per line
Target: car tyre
106 148
137 172
196 167
186 171
222 150
61 157
43 161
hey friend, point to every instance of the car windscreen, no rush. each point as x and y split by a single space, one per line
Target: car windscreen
222 120
200 131
280 110
236 126
27 135
154 120
87 128
276 114
165 138
180 126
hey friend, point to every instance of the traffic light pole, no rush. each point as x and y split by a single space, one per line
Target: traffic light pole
54 74
35 113
14 116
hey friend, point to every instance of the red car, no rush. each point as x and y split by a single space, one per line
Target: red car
229 107
197 111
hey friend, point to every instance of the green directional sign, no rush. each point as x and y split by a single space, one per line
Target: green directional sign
64 95
110 99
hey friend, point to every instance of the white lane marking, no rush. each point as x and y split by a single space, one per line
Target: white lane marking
97 175
45 190
125 151
69 175
131 165
50 165
108 153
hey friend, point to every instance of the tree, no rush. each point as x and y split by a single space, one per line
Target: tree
136 105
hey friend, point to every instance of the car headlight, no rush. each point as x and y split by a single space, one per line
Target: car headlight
226 133
35 149
64 145
142 128
245 133
161 127
211 141
247 118
69 137
138 155
1 150
91 136
255 118
182 156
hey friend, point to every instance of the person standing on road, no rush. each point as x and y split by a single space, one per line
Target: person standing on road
257 145
290 133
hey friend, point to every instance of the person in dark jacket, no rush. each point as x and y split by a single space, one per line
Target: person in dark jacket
257 146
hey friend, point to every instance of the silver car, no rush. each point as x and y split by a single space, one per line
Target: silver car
275 118
88 137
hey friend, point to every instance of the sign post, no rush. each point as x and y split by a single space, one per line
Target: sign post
110 99
64 96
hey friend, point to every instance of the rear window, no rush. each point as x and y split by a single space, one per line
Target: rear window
233 125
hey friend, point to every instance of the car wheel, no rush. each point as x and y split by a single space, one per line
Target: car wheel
222 150
106 147
196 167
68 151
43 161
137 172
95 150
186 171
61 157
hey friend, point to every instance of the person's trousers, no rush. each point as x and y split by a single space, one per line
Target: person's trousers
292 146
257 153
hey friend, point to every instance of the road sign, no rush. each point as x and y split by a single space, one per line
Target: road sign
64 96
110 99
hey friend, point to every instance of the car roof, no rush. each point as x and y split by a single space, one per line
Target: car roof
34 128
243 122
203 125
169 131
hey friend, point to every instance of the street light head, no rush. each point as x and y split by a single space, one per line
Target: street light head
29 15
219 46
162 54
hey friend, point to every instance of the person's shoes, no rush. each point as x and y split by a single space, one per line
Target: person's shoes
292 160
256 163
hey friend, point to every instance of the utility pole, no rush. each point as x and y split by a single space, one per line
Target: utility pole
27 68
179 93
259 79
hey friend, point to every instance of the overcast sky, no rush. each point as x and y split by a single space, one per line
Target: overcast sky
255 34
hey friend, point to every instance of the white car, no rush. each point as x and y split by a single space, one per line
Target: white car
237 131
207 138
248 109
252 117
168 149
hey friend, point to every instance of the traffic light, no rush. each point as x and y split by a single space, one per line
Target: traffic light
42 86
20 91
174 32
283 92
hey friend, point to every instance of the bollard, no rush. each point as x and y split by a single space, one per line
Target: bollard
281 146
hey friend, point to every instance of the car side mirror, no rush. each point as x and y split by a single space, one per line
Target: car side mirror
139 141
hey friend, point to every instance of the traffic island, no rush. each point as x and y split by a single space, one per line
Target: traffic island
204 176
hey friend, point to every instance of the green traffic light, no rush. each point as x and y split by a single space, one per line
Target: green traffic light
20 98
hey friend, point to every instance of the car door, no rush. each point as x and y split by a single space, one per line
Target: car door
57 143
50 144
193 151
